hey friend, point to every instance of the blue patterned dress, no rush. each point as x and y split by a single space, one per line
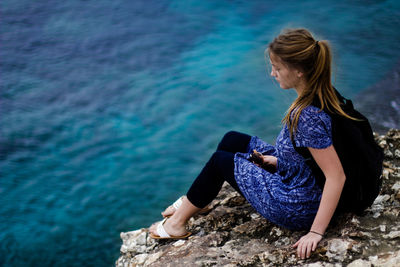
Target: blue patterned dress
289 197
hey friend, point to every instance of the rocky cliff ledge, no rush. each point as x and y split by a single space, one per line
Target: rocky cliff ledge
233 234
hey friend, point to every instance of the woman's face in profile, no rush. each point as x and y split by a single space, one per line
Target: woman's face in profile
285 76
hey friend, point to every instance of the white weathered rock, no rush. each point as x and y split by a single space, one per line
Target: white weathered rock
382 143
359 263
396 186
179 243
376 214
315 264
282 242
141 239
391 259
276 231
153 258
392 235
321 264
357 248
141 258
337 249
388 154
355 221
381 199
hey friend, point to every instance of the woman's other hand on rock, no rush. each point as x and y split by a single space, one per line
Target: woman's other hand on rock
306 244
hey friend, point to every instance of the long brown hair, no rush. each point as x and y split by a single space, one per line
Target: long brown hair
298 49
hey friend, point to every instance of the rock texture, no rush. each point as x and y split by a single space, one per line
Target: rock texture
233 234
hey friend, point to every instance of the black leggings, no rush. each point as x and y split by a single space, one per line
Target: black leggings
218 169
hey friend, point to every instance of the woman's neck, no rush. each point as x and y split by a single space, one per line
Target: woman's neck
300 87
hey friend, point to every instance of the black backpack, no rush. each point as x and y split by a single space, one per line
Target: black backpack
360 155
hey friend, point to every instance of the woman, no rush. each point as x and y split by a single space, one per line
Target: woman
288 195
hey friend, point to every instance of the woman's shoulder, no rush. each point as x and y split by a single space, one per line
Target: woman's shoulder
314 113
314 128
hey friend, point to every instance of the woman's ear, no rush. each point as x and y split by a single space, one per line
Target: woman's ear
299 74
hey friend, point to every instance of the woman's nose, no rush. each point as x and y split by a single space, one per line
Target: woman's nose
272 73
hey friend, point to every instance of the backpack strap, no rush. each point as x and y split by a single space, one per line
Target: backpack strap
309 160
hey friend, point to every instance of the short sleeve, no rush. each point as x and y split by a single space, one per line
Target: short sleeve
314 129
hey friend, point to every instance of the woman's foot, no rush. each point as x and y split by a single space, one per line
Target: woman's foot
172 228
169 211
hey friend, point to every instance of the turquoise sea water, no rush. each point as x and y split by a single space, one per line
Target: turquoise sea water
109 109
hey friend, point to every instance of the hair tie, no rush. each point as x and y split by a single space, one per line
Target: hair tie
317 47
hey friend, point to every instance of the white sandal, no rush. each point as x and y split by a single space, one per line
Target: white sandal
177 203
162 234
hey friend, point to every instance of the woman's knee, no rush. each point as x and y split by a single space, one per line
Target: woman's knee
231 134
234 141
228 138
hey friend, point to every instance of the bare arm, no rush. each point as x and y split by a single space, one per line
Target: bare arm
328 160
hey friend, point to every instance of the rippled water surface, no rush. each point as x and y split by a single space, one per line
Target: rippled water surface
108 109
